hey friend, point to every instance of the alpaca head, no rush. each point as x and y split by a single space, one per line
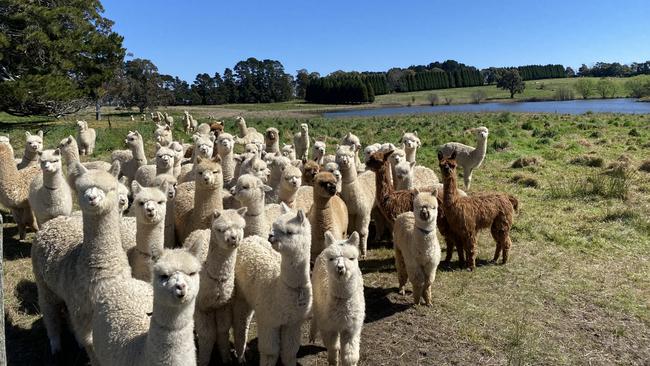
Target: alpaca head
325 185
271 136
377 160
164 157
225 144
252 148
447 164
345 157
341 256
411 140
334 169
481 133
96 189
404 173
309 171
178 150
397 156
249 188
171 184
34 143
228 228
203 145
351 140
291 233
256 167
318 149
208 173
203 129
291 178
176 277
217 128
289 152
82 126
371 149
68 144
133 139
50 161
304 128
240 121
4 140
123 194
149 203
425 210
163 134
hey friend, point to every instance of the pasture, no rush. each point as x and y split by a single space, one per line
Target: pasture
576 289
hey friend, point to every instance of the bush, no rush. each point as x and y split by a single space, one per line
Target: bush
499 145
434 99
448 100
564 93
528 126
590 161
525 180
584 87
526 161
606 88
616 185
634 132
638 87
645 166
478 96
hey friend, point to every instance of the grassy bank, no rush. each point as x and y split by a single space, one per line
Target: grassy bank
575 292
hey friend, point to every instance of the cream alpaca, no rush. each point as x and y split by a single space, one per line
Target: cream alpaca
14 189
85 138
289 151
249 192
277 164
203 148
272 279
411 143
49 193
179 152
301 142
353 141
272 141
33 146
409 176
70 154
163 135
358 193
468 157
318 152
146 174
417 251
189 122
328 213
339 307
248 135
257 167
225 145
170 210
196 201
291 191
333 168
395 158
132 159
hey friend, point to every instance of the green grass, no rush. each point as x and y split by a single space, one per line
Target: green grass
576 288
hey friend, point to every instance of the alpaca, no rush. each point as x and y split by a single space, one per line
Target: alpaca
257 167
333 168
189 122
133 158
408 176
318 152
33 146
49 193
301 142
328 213
217 128
417 251
68 271
163 135
469 158
249 192
146 174
395 158
411 143
70 155
5 140
309 171
170 210
247 135
289 151
272 141
225 145
169 120
467 215
14 190
195 201
150 210
277 166
213 315
203 148
292 193
369 150
178 150
358 193
339 306
272 279
353 141
85 138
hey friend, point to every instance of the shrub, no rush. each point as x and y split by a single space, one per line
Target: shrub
505 117
528 126
526 161
606 88
616 185
525 180
499 145
590 161
434 99
584 87
448 100
478 96
634 132
564 93
645 166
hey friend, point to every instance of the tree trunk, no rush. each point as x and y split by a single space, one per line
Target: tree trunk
98 113
512 94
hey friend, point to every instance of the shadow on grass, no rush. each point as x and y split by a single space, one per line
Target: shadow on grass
27 295
378 305
12 247
253 355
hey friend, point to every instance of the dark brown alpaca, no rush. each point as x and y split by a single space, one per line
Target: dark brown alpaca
309 170
465 216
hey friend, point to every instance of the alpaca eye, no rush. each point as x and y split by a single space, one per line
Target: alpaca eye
352 258
160 202
332 259
141 203
164 277
193 274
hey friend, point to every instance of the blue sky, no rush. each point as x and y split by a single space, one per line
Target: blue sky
188 37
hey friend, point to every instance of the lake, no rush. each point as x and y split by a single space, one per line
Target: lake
622 105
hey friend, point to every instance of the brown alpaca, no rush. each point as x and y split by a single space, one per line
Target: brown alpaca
309 170
328 213
467 215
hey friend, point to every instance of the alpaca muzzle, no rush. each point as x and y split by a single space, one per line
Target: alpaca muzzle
425 214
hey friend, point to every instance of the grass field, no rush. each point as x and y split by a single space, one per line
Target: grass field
577 288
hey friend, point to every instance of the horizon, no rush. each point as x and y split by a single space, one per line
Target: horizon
182 48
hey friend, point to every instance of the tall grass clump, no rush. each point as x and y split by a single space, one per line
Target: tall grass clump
564 93
614 184
434 99
478 96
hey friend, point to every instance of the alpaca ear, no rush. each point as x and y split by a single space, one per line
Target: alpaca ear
76 170
440 156
216 159
158 146
453 155
135 187
284 208
233 190
27 134
199 159
194 248
217 213
69 141
387 154
40 133
266 188
329 238
212 138
168 128
164 187
242 211
354 239
415 132
57 152
301 216
115 168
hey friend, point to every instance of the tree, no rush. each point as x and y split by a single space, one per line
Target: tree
606 88
584 70
56 57
511 80
569 72
584 87
144 84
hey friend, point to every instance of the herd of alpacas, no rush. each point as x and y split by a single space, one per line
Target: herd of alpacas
170 253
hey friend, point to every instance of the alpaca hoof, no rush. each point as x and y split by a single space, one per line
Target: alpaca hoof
494 261
470 269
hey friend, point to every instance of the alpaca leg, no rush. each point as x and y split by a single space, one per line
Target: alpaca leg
242 315
206 332
361 226
417 281
429 276
223 317
331 342
268 344
402 276
350 347
50 308
18 216
313 330
467 177
290 343
450 250
471 254
461 253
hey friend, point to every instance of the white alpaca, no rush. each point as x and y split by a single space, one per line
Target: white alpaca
353 141
255 166
339 306
417 251
394 159
288 151
203 148
14 189
408 176
179 153
358 193
272 279
301 142
272 140
189 122
333 168
225 145
170 208
292 192
85 138
277 166
33 146
411 143
369 150
248 135
133 158
49 193
165 158
163 135
70 154
213 315
169 120
318 152
249 192
468 157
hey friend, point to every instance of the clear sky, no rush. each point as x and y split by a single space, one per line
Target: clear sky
188 37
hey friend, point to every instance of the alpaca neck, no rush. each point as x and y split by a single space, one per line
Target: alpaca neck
349 175
161 169
70 155
342 289
322 203
255 207
176 170
450 195
294 272
273 147
242 129
29 155
227 165
410 154
54 180
148 236
9 174
405 183
170 234
171 326
102 250
384 186
220 268
481 149
138 154
206 200
287 194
